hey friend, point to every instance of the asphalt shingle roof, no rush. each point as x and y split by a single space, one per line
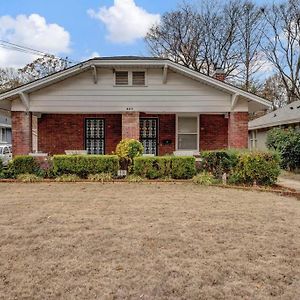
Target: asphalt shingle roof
285 115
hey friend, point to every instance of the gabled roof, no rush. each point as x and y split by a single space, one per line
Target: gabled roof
131 61
286 115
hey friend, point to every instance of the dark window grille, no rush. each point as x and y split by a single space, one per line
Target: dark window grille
148 135
95 136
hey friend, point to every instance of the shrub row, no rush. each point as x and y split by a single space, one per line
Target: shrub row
24 164
84 165
242 167
164 166
80 165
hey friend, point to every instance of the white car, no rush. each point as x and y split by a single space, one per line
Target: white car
5 154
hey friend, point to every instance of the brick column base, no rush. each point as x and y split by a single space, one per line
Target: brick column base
238 130
21 132
131 125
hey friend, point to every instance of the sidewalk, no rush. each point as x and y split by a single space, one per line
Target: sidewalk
289 183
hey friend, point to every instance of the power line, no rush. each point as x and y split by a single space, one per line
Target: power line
15 47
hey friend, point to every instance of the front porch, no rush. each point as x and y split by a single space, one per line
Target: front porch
99 133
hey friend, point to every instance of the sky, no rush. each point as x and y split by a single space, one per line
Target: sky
78 29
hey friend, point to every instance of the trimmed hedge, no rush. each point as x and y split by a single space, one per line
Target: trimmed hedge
164 166
24 164
84 165
219 162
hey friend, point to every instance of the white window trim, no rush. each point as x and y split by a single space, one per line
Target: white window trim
130 78
2 140
253 140
198 132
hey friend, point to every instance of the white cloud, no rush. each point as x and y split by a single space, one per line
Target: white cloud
125 21
91 55
34 32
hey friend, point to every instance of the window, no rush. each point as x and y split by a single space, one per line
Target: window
138 78
122 78
253 140
95 136
149 135
3 135
130 78
187 133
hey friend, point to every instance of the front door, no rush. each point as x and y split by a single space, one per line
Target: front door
149 135
95 136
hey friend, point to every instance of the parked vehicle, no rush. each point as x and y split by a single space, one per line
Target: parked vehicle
5 154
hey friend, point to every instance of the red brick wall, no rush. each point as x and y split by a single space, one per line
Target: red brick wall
60 132
21 132
238 130
213 132
167 131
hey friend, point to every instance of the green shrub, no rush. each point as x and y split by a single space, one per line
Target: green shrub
67 178
102 177
183 167
152 167
287 143
24 164
134 178
29 178
127 150
204 178
219 162
164 166
234 178
84 165
260 167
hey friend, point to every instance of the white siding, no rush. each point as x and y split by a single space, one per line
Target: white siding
258 139
80 94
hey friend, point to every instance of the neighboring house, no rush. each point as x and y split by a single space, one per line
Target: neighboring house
96 103
5 127
285 117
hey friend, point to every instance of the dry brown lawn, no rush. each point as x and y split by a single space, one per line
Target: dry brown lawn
147 241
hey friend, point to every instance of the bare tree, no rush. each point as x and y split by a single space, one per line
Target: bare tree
250 28
202 38
43 66
39 68
178 37
282 44
9 79
275 91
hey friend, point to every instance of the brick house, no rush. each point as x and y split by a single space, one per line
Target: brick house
93 105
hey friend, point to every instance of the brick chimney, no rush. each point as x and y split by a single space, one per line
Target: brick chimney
219 74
